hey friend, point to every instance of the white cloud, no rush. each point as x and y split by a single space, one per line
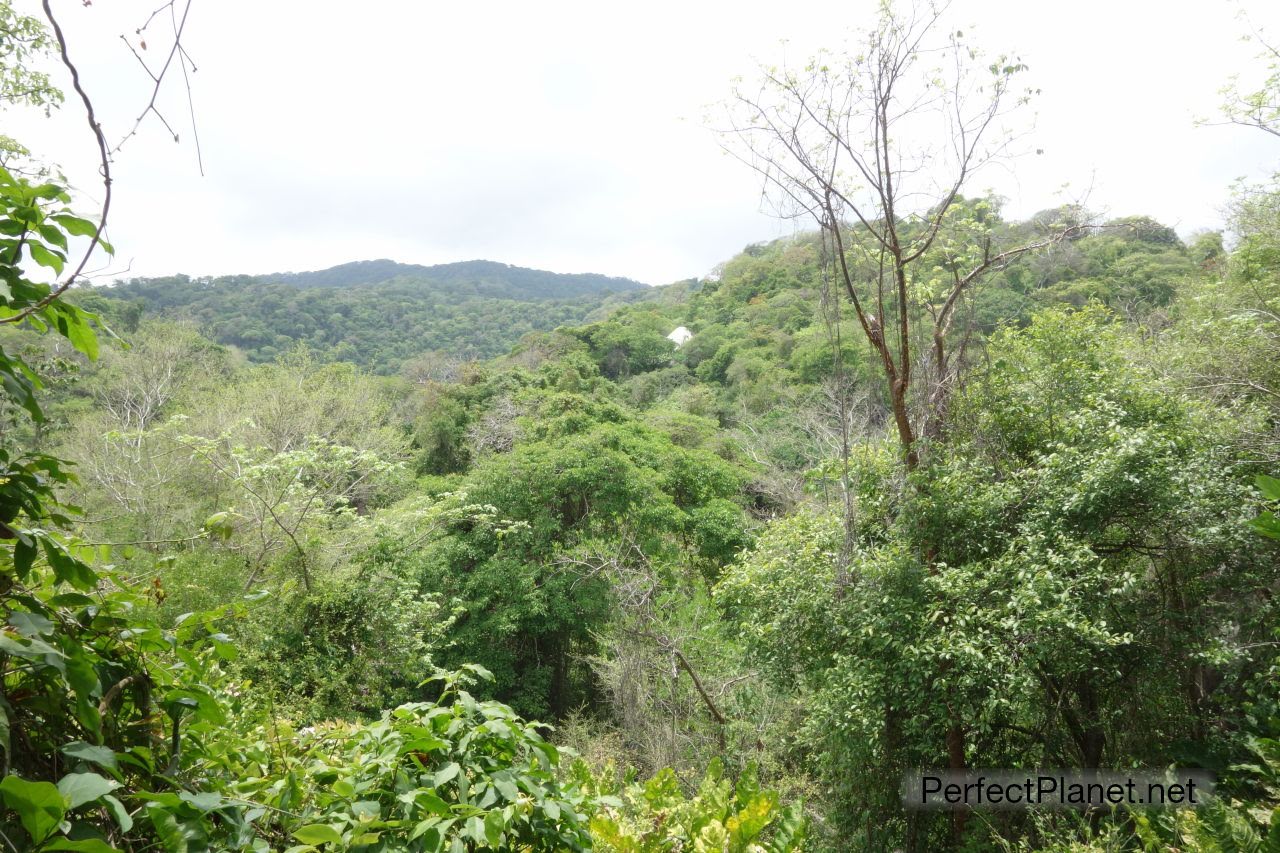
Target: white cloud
567 135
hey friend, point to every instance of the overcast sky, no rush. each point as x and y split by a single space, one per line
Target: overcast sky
570 136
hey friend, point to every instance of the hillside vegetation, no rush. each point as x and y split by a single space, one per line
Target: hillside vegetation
938 490
376 313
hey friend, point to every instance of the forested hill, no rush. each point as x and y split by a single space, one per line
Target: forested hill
377 313
481 278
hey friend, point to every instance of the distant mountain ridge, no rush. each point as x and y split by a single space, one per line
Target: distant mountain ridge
485 278
379 313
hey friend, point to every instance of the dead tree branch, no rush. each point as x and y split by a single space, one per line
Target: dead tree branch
104 169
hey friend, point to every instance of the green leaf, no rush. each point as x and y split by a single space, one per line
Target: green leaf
39 805
68 569
475 829
46 257
431 803
70 599
318 833
99 755
450 770
366 810
752 819
479 671
30 624
1269 486
53 235
220 525
85 845
74 225
119 812
73 325
24 555
178 836
33 650
81 788
494 823
226 651
421 828
205 801
506 786
1267 524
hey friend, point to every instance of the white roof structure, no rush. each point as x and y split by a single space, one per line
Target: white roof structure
680 335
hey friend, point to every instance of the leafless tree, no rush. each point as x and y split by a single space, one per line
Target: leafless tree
876 146
431 366
138 383
648 657
497 430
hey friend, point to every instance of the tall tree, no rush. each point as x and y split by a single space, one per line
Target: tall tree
877 146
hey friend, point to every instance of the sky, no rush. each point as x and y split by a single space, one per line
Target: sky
573 136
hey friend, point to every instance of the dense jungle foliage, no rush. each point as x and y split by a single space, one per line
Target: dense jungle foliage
352 588
376 314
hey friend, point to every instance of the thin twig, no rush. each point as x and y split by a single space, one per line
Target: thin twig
158 79
105 170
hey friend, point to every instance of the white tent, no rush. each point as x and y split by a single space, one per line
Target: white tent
679 335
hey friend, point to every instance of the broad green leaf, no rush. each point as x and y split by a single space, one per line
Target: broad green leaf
74 225
40 805
506 786
53 235
205 801
318 833
1268 524
478 670
494 823
449 772
73 326
751 820
70 599
46 257
81 788
24 555
33 650
1269 486
431 803
177 835
366 810
421 828
119 812
99 755
30 624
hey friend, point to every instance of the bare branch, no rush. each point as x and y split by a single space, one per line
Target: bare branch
104 169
